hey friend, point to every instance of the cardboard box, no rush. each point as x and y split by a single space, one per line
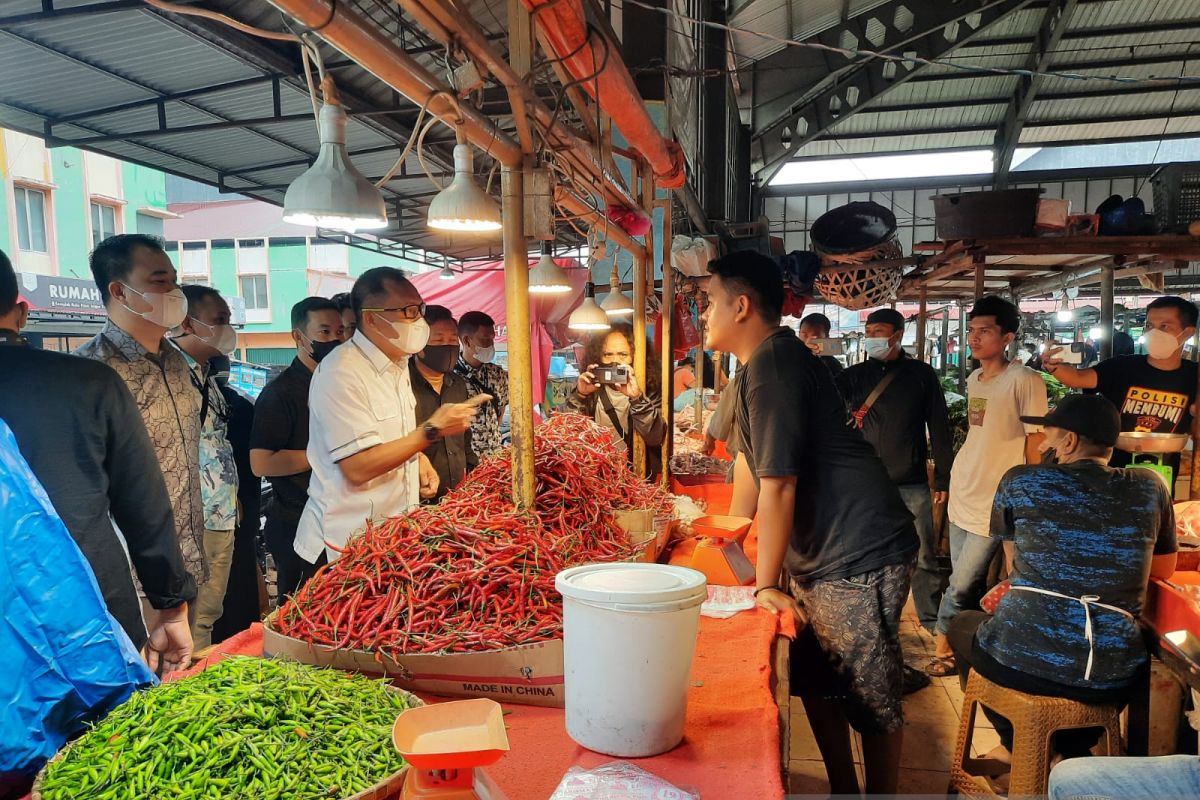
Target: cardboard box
530 674
647 530
1052 214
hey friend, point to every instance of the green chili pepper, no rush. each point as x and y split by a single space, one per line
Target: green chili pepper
232 731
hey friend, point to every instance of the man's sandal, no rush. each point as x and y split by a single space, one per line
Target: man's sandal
942 667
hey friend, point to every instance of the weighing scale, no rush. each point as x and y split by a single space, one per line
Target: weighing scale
719 553
1148 451
446 745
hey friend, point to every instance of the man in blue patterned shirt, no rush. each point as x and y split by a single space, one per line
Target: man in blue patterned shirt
206 334
1082 540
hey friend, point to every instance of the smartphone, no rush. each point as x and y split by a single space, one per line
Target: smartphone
1072 353
617 375
830 347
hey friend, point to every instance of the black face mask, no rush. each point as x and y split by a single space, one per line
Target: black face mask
1050 456
440 357
318 350
218 367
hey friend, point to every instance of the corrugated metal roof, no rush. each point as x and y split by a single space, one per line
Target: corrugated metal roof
788 19
73 65
943 106
891 144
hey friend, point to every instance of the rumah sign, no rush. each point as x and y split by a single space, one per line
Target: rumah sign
63 295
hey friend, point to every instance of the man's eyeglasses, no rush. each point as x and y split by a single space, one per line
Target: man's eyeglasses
411 313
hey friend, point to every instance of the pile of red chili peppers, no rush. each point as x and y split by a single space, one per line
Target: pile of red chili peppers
472 574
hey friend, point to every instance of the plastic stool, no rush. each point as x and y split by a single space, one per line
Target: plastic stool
1035 719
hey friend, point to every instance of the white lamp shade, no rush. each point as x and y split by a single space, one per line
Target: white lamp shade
463 206
446 274
332 193
617 304
589 316
547 277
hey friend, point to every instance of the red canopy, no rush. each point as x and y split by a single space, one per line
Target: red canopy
481 288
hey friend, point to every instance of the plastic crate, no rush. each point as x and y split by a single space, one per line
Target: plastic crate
1177 196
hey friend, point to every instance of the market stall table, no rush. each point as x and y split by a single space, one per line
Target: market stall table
731 745
1168 611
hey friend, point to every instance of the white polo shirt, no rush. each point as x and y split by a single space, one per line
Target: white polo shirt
359 398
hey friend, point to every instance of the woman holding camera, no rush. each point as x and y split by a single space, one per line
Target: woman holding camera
612 397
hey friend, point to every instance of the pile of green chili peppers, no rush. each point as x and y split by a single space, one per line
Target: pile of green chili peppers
243 728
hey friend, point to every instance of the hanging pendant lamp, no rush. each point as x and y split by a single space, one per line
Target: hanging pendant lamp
589 316
332 193
447 274
547 277
463 206
617 304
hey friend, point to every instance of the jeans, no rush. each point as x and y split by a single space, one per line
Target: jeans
929 581
1160 778
970 557
210 595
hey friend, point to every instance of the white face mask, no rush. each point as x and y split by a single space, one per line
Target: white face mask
1160 344
222 338
408 337
878 347
167 309
485 354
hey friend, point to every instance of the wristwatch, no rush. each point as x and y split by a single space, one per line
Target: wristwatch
432 432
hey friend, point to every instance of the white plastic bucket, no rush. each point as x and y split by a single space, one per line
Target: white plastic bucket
629 634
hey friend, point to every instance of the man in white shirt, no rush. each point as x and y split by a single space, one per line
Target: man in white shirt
365 443
999 393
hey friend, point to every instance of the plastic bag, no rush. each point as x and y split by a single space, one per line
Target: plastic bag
70 662
684 336
725 601
618 780
691 256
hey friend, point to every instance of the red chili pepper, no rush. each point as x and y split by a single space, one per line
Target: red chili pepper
472 573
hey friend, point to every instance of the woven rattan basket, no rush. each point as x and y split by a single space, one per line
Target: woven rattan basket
851 281
851 241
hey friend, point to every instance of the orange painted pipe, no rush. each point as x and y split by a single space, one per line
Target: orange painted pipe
565 26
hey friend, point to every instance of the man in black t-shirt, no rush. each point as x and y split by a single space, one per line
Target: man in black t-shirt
1154 392
279 438
827 512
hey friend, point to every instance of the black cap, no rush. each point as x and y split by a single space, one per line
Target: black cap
1091 416
886 316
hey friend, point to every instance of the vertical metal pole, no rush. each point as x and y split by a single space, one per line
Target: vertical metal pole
1194 487
921 309
1107 288
668 350
946 342
520 354
962 344
639 350
699 406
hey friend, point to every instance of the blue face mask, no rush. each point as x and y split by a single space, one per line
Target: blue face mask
878 347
